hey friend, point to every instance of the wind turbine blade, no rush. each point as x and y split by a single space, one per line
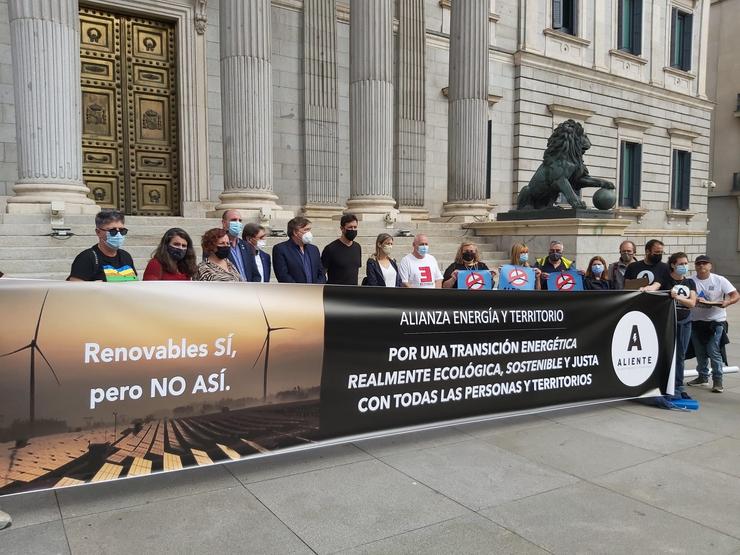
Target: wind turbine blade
48 364
267 322
260 354
38 323
16 351
284 328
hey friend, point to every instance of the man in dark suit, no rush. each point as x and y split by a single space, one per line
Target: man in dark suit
239 254
258 261
297 260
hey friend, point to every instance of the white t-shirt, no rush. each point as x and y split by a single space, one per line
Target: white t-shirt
714 288
419 272
260 269
389 275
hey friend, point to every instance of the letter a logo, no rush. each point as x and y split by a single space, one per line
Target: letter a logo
634 340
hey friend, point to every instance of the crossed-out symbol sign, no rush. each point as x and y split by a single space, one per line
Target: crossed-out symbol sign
475 281
565 282
517 277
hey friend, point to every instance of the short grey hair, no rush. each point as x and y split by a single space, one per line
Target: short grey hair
556 242
107 216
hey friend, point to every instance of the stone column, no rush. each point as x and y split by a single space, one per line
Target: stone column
410 94
371 108
468 111
702 66
45 42
246 106
320 103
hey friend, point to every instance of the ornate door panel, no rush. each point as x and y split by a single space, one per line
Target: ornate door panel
129 113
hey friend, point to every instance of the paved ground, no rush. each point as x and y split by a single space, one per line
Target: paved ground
618 478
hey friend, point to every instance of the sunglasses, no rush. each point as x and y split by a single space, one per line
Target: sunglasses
115 231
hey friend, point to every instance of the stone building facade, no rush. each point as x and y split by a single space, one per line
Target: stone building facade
406 109
724 89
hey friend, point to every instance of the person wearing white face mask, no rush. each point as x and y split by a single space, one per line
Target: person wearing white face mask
258 261
105 261
381 269
297 260
420 269
239 253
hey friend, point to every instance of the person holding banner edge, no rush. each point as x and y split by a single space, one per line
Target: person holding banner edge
597 275
420 269
381 270
553 262
467 258
174 258
216 266
683 292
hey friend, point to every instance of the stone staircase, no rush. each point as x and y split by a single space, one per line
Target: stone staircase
28 251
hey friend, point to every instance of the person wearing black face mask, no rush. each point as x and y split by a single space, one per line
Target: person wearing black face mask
342 258
553 262
467 258
651 267
216 266
174 258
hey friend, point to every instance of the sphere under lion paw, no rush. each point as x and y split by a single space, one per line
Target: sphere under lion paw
604 199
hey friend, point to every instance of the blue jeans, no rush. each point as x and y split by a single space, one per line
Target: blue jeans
683 336
709 350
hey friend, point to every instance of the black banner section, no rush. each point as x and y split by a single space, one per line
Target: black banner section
400 357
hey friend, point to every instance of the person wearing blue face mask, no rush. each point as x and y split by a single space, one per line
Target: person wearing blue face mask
105 261
420 269
239 253
597 275
683 292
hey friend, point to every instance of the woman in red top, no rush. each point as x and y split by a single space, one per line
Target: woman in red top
174 258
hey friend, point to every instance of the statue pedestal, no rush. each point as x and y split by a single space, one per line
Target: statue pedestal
554 213
582 238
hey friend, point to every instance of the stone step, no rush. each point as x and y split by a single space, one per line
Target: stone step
207 223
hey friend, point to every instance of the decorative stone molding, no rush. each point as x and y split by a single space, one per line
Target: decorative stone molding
677 133
200 16
578 41
447 5
672 215
570 112
633 213
636 124
628 65
678 80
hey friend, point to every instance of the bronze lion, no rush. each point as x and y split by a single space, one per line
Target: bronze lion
562 170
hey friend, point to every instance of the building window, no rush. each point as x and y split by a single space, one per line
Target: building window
630 169
681 182
630 26
564 16
681 25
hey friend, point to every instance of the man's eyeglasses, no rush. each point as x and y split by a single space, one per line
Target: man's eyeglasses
115 231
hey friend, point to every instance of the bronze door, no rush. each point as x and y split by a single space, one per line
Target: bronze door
129 118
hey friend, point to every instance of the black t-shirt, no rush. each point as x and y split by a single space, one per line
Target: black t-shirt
654 272
455 266
682 312
342 263
92 265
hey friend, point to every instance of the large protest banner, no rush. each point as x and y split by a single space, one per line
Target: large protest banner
102 382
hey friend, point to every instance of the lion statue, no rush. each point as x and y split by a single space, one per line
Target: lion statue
562 170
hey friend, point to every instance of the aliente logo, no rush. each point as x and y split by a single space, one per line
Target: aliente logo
634 348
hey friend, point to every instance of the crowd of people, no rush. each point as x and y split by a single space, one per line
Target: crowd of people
236 252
